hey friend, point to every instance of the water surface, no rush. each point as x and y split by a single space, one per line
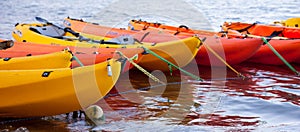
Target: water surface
266 101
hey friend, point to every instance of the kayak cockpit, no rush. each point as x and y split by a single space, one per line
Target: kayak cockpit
48 30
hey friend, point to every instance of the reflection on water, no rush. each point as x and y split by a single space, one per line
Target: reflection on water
26 125
266 101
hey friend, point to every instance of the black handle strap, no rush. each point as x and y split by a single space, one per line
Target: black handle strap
6 44
180 27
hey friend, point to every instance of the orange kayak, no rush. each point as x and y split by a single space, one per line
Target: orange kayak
87 56
110 32
231 48
224 46
178 31
262 29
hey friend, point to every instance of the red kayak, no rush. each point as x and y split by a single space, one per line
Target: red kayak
288 44
87 56
262 29
288 49
230 48
235 50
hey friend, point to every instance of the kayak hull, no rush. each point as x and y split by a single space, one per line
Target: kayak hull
288 49
187 47
232 50
48 92
52 60
87 56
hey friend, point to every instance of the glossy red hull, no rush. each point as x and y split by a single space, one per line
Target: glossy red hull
288 49
233 51
230 48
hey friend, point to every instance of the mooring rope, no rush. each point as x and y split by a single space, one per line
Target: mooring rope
141 68
171 64
280 57
78 61
221 59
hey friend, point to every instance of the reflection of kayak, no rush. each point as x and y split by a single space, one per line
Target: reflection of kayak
288 45
47 92
180 52
53 60
87 56
235 50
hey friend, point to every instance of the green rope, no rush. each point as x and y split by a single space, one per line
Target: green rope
279 56
74 57
140 68
170 68
78 61
171 64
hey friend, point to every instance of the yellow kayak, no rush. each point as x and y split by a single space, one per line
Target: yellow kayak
47 92
53 60
291 22
180 52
